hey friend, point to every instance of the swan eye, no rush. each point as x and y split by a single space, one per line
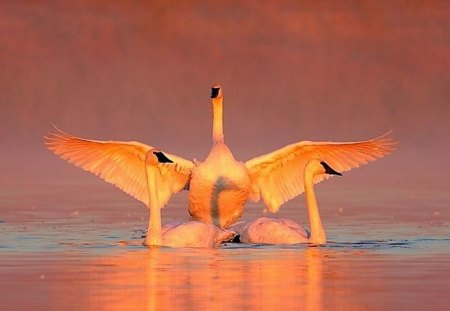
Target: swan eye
215 92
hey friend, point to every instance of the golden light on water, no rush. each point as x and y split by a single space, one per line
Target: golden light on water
208 280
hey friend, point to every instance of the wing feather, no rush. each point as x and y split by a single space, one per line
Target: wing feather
122 164
278 176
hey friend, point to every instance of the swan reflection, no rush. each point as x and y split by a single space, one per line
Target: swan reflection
213 279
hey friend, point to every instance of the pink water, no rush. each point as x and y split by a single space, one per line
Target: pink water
76 245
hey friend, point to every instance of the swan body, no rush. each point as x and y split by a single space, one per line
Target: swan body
266 230
185 234
220 186
194 234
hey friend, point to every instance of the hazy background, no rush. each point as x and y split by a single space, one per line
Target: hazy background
291 70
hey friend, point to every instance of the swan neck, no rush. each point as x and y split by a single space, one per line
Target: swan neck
318 235
217 119
154 236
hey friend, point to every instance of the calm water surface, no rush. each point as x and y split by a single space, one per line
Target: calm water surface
78 247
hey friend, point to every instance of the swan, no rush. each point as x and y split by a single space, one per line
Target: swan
266 230
220 186
186 234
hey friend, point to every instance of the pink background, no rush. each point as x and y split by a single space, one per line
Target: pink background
291 70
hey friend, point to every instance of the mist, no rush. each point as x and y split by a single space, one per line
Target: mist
291 71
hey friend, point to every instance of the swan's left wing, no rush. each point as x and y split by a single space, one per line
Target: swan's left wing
278 176
122 164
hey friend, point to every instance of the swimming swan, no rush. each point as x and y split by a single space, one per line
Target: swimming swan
220 186
265 230
187 234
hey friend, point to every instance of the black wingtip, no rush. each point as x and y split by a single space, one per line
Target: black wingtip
162 157
329 170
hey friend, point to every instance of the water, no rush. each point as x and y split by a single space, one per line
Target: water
76 245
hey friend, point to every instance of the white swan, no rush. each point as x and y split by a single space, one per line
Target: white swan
220 186
265 230
187 234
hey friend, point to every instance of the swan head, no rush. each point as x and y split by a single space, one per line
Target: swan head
329 170
317 167
154 156
216 91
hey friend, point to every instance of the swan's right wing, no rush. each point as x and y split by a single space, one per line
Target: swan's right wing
278 176
122 164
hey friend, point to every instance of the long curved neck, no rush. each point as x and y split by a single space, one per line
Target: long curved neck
217 120
154 236
318 235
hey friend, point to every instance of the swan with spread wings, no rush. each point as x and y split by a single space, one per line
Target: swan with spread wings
220 186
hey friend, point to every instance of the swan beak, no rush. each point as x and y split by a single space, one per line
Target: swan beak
215 92
329 170
162 157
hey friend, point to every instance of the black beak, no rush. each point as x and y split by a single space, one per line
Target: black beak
215 92
329 170
162 157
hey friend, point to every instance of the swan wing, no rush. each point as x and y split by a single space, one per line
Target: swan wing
122 164
278 176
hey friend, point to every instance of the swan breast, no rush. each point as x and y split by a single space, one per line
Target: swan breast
218 191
